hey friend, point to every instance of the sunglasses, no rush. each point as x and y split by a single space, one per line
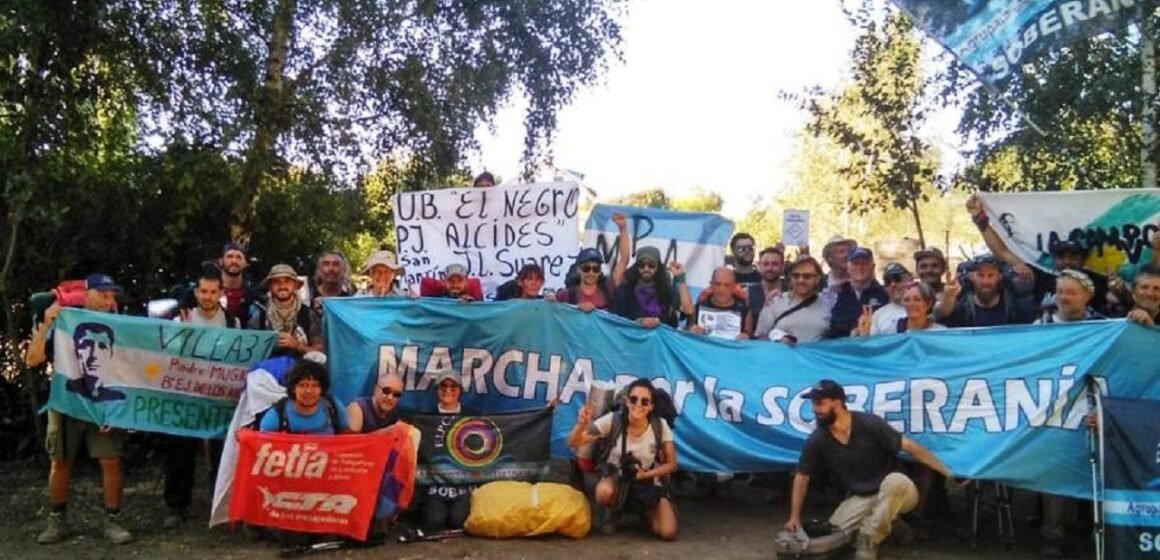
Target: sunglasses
643 401
743 248
590 268
646 264
388 392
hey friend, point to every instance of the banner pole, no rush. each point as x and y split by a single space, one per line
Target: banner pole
1096 458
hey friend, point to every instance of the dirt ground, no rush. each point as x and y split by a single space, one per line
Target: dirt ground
735 522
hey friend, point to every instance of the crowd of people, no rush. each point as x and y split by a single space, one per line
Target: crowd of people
759 297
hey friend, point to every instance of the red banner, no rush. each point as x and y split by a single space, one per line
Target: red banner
310 484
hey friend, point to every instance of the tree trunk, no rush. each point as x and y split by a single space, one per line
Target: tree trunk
917 223
1148 89
269 123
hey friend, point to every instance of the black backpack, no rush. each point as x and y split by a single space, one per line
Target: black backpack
279 408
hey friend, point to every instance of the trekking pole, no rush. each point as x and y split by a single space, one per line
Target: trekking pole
1095 457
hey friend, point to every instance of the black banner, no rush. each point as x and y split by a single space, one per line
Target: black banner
471 449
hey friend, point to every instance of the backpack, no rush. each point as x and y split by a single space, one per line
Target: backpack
663 411
279 408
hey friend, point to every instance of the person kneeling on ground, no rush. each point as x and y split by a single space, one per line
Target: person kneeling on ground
447 506
858 451
638 459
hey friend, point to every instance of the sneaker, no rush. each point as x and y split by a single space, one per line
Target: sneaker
611 522
865 549
175 518
55 530
115 532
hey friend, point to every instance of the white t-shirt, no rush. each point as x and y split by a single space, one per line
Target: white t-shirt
196 318
644 447
885 320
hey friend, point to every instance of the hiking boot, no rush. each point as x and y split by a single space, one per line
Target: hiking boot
175 518
55 530
865 549
611 522
115 532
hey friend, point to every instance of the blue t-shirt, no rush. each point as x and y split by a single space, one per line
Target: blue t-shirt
317 423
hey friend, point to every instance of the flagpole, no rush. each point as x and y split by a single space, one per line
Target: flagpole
1096 444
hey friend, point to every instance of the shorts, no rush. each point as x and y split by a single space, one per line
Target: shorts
644 496
66 433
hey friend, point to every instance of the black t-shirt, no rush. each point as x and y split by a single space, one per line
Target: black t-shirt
748 277
1009 311
859 466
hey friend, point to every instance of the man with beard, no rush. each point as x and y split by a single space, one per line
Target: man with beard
987 303
181 452
1146 293
860 293
771 264
240 293
723 315
647 293
285 313
931 266
859 452
743 248
1065 255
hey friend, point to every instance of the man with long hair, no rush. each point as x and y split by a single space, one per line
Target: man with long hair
649 295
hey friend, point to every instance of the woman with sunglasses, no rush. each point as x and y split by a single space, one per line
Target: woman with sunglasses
653 458
587 287
378 411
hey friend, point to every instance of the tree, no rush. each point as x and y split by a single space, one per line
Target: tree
651 198
878 117
337 84
700 200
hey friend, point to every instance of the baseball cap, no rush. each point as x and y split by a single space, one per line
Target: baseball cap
233 246
894 271
861 253
826 389
455 269
385 258
589 255
1068 247
444 376
101 283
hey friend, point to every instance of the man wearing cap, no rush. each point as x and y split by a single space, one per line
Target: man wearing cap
885 320
384 270
744 249
1066 254
455 283
836 253
723 314
931 266
65 433
987 302
859 452
649 296
285 313
239 292
799 315
859 293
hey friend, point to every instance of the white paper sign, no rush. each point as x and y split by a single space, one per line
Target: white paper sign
795 227
492 231
720 324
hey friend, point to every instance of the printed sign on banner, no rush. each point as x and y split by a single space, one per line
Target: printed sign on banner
720 324
492 231
150 374
795 227
696 240
309 484
994 37
1116 226
991 403
466 450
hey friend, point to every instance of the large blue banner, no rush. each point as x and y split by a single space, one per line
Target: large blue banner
999 404
994 37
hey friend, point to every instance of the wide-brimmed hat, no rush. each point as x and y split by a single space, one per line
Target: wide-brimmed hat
384 258
281 271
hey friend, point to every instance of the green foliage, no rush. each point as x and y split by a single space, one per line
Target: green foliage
700 200
651 198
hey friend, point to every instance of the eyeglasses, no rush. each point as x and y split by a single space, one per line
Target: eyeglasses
803 275
643 401
448 387
646 264
590 268
388 392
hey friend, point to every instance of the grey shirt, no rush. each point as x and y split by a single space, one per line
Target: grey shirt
808 324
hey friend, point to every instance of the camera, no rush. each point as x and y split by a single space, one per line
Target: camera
628 468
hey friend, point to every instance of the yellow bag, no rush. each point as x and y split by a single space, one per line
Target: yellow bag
506 509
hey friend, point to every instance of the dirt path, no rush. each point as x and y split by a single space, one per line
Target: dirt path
737 525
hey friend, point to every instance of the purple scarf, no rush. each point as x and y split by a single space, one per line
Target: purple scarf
646 301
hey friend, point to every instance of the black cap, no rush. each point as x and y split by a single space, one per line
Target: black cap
986 259
1068 247
894 270
827 389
